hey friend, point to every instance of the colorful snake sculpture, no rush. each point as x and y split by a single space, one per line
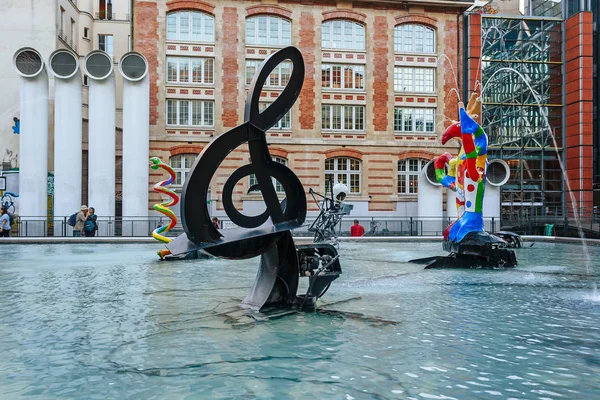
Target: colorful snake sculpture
467 172
163 208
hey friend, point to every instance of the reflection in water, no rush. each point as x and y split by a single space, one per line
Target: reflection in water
110 321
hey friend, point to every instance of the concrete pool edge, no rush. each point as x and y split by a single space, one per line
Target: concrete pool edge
300 240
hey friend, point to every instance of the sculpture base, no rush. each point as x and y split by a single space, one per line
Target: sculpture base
476 250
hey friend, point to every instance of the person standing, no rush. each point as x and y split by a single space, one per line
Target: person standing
216 223
80 222
4 222
90 227
357 229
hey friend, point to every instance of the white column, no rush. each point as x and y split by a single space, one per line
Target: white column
101 136
136 125
33 141
498 173
430 207
451 211
67 138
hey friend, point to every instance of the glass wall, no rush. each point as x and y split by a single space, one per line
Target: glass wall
522 109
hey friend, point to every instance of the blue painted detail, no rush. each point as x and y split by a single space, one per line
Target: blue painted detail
17 128
469 222
467 124
468 204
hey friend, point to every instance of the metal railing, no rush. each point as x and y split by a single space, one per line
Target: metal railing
106 16
400 226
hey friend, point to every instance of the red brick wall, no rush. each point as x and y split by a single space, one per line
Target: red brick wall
272 9
474 52
307 46
416 154
146 43
344 14
230 77
417 19
448 65
380 74
190 5
344 153
579 109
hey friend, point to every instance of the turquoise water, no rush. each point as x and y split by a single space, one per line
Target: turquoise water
110 321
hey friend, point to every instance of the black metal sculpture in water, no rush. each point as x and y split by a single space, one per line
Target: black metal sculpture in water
267 234
331 211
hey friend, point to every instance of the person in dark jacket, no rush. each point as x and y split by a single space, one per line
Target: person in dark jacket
90 227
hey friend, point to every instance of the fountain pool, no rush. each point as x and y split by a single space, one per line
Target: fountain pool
110 321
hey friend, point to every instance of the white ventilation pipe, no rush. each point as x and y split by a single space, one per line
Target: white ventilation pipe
33 140
64 65
430 207
98 66
136 138
451 211
498 173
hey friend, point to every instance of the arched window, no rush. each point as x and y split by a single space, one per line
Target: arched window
413 38
268 30
278 186
408 175
342 34
191 26
181 164
345 170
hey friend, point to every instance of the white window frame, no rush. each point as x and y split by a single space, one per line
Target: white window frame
328 111
414 80
206 106
284 124
406 39
200 27
351 35
278 73
182 171
278 186
406 119
356 71
190 60
408 175
108 44
343 172
277 31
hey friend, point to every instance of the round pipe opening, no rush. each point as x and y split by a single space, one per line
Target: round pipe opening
28 62
98 65
133 66
429 171
498 172
63 64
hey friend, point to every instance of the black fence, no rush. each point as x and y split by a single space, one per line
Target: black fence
406 226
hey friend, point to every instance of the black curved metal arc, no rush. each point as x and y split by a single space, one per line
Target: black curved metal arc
285 100
194 212
195 217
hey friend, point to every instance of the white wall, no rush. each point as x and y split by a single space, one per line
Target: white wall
21 25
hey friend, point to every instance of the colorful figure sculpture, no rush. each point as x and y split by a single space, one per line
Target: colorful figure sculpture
163 208
469 244
467 172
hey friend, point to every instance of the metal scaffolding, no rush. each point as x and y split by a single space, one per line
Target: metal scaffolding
521 83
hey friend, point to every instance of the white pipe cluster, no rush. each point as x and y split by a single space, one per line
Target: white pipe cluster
33 158
33 141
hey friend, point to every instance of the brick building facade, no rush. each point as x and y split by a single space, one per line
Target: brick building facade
379 89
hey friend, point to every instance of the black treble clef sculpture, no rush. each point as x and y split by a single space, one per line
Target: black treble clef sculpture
267 234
